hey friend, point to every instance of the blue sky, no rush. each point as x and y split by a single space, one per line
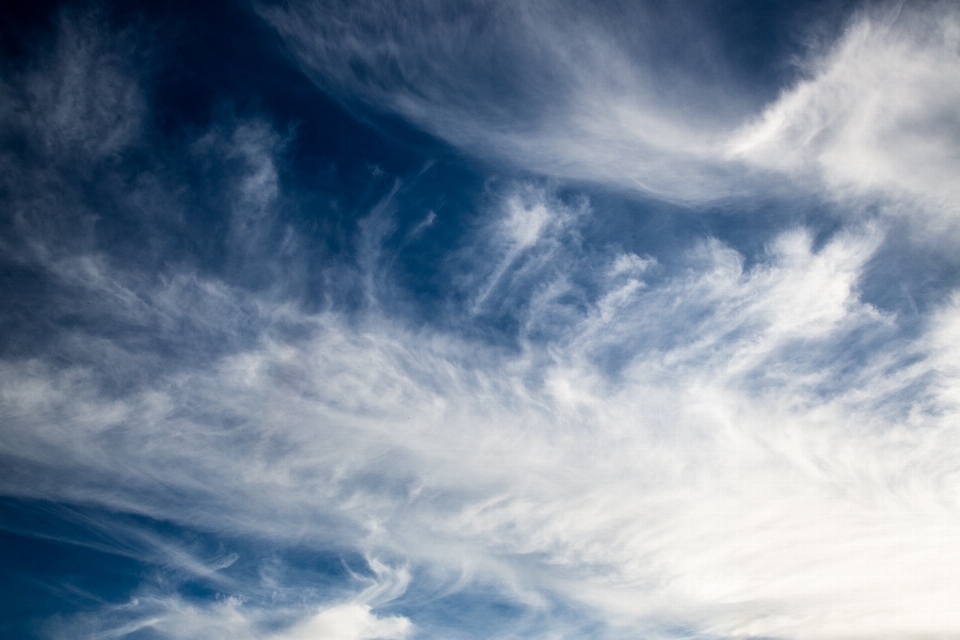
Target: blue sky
357 320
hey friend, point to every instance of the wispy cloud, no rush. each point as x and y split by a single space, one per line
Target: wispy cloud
721 446
564 92
561 89
745 446
175 617
877 114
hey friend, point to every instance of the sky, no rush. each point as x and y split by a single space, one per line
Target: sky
539 319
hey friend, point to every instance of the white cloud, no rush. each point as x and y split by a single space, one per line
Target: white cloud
741 475
877 115
874 118
709 451
172 617
85 98
524 238
348 622
562 89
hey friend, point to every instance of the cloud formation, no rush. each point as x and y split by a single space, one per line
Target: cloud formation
568 93
876 115
758 479
712 445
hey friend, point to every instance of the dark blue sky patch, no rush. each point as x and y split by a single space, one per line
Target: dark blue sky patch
50 567
74 560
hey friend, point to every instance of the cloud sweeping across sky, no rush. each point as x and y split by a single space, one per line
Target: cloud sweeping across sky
486 320
877 115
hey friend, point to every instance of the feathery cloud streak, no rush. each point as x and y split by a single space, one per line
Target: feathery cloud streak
646 98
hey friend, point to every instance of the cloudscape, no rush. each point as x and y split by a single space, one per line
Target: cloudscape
360 320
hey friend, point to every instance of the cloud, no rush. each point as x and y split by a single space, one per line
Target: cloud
74 107
567 93
353 620
876 116
758 478
349 622
563 90
84 101
168 617
719 446
292 610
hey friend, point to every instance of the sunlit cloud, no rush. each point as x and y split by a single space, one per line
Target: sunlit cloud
877 115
